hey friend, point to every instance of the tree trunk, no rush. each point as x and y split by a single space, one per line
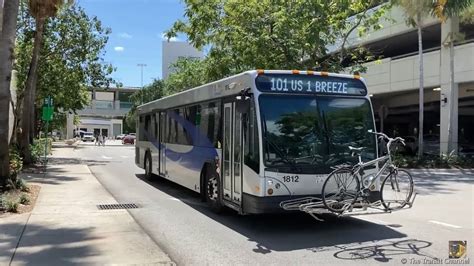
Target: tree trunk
7 42
27 116
421 89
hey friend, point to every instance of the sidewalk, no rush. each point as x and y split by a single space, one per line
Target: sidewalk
66 227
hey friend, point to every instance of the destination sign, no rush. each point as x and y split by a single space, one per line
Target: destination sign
291 83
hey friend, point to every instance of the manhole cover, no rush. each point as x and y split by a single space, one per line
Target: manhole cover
117 206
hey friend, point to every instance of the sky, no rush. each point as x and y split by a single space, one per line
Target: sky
137 29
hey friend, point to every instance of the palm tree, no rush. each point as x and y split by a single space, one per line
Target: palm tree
41 10
415 11
7 43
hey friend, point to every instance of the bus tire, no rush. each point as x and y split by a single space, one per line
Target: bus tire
148 166
213 191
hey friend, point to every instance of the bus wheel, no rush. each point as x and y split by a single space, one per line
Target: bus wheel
213 192
148 167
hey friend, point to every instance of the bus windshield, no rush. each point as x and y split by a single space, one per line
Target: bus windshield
309 134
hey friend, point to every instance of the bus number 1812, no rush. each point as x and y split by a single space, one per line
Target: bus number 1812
291 178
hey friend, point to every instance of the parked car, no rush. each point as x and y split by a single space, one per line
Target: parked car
88 136
129 139
121 136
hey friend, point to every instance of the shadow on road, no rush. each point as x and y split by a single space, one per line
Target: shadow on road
285 231
395 252
430 182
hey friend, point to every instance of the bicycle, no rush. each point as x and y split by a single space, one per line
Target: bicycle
342 188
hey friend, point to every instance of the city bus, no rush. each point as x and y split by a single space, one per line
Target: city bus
252 140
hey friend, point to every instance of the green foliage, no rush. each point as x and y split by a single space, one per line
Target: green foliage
423 8
70 61
17 184
16 164
38 148
189 73
21 185
148 93
10 205
433 161
467 16
24 199
245 35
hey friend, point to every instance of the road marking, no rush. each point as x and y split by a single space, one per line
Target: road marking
445 224
105 157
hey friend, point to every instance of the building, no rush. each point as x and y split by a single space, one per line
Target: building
105 114
394 81
172 51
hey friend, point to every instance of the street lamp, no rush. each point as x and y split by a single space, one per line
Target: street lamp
141 65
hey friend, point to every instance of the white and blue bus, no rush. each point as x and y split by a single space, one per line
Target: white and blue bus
258 138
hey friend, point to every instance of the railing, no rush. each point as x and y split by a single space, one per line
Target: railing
126 105
104 104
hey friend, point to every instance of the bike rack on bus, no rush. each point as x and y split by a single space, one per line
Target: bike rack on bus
314 206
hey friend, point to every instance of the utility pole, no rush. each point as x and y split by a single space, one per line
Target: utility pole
141 65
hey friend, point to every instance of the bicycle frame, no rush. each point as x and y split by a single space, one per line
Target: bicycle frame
359 167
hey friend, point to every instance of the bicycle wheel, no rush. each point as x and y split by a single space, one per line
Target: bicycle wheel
396 190
340 189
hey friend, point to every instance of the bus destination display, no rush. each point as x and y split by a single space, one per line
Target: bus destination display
288 83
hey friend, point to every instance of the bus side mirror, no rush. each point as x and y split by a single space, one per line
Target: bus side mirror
242 106
243 95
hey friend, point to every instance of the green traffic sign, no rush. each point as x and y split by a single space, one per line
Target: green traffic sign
47 113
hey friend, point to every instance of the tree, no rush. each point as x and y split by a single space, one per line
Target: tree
415 11
149 93
277 34
70 60
189 73
41 10
7 40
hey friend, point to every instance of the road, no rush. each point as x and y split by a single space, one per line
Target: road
191 234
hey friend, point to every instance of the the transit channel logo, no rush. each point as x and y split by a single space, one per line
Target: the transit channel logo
457 249
457 254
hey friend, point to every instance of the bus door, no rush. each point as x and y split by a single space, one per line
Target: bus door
232 153
161 142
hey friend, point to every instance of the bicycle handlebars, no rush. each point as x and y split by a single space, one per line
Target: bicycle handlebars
390 140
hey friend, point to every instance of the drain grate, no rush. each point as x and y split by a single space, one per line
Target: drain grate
117 206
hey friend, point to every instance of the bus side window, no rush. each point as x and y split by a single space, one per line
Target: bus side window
147 128
141 128
209 123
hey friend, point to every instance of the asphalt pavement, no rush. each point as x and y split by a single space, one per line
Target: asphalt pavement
182 225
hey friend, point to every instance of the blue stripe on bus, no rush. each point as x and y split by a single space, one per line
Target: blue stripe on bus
198 155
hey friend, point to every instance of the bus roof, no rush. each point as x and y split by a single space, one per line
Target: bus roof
225 87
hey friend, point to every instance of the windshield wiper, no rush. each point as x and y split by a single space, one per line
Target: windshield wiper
281 154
